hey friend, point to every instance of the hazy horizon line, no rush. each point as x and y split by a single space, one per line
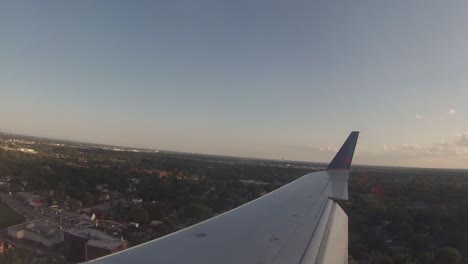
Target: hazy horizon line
221 155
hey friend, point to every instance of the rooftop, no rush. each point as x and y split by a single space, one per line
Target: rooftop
41 227
97 238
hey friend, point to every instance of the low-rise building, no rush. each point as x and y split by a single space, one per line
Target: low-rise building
137 200
156 222
86 244
30 199
104 195
39 231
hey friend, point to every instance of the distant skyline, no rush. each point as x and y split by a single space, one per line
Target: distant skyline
264 78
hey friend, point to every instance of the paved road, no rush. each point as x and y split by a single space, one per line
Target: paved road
20 207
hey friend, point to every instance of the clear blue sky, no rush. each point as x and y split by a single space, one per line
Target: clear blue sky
259 78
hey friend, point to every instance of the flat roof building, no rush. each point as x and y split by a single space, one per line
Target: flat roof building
41 231
86 244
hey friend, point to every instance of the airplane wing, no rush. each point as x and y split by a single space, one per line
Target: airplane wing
297 223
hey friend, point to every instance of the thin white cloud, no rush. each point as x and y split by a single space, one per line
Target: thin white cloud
457 146
332 148
452 111
462 139
328 149
389 148
418 116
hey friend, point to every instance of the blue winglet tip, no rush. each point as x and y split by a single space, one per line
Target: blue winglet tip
344 157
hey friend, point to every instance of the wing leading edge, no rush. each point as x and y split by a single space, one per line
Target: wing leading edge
297 223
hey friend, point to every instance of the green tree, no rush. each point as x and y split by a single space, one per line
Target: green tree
400 258
196 210
139 215
87 199
426 257
447 255
13 256
384 259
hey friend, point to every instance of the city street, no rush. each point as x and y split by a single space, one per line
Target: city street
23 209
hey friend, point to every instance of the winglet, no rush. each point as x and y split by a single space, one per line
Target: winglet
342 159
